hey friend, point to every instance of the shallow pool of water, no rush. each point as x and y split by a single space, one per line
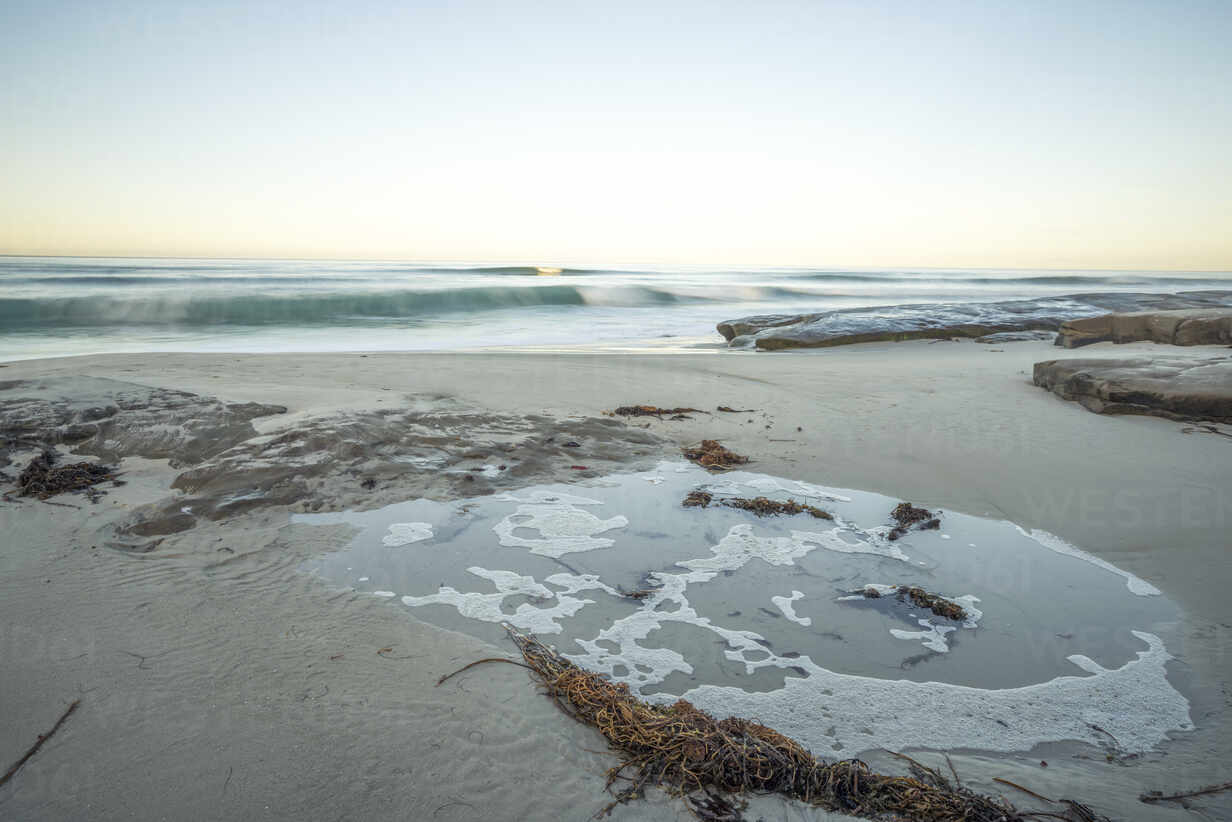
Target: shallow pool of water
763 616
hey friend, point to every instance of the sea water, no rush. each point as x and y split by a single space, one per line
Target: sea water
57 306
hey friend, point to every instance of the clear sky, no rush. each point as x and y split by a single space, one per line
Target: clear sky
1034 134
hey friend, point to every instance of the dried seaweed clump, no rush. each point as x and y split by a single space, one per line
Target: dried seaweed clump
907 515
936 603
939 605
43 479
762 506
689 753
711 454
653 411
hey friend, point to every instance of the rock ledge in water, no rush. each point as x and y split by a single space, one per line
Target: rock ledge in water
1178 388
943 320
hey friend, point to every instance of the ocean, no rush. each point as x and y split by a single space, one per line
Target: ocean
61 306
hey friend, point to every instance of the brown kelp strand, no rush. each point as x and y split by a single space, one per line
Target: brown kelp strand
688 752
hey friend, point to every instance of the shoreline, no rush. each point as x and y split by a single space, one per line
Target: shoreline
952 425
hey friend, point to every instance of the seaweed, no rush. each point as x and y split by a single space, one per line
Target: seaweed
655 411
762 506
712 455
42 478
939 605
697 499
936 603
711 763
907 515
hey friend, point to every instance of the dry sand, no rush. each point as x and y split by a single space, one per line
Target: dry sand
218 682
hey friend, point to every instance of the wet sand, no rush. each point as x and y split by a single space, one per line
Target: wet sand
218 681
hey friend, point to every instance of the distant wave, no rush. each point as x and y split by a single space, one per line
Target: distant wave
93 274
306 309
171 279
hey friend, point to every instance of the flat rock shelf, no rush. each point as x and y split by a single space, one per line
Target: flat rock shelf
771 332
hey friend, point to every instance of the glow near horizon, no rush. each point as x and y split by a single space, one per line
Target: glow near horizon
954 134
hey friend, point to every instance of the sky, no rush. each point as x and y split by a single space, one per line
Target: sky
980 134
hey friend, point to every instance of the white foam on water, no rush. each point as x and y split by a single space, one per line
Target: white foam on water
1052 542
654 480
565 529
385 594
487 607
572 583
405 533
868 541
932 637
740 546
644 666
787 606
1135 703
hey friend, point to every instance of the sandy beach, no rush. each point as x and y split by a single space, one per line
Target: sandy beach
219 681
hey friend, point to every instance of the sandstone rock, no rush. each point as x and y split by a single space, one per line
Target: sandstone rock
943 320
1178 388
1200 326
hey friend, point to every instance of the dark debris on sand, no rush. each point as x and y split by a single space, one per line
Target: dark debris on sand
42 478
762 506
712 763
907 515
712 455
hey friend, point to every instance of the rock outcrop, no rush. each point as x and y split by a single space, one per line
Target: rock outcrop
1195 326
1179 388
111 419
943 320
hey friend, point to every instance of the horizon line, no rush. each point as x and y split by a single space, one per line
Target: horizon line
557 263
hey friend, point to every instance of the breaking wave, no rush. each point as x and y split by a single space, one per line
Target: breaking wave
308 309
